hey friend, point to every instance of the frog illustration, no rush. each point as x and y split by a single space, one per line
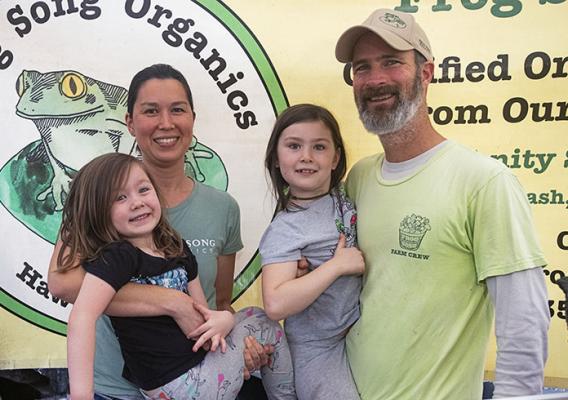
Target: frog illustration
79 118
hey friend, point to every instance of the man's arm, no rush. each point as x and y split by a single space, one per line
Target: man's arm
131 300
522 317
224 281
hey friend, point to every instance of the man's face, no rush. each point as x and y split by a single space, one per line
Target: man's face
387 85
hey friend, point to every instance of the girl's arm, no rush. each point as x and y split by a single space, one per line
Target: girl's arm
284 294
217 324
131 300
93 298
224 282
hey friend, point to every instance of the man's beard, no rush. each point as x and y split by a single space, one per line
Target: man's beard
389 120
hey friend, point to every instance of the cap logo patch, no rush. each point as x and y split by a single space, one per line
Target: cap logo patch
393 20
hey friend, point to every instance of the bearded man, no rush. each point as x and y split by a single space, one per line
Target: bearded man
447 235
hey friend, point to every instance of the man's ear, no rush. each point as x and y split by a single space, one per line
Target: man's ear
427 72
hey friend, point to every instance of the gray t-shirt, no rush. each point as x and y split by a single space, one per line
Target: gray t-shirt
313 232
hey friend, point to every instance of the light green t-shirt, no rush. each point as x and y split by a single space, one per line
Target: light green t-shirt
429 242
209 221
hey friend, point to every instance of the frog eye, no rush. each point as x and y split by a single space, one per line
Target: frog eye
73 85
21 85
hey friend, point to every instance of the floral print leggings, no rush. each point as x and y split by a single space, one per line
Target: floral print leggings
220 375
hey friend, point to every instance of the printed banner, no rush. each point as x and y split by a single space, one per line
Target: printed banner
500 87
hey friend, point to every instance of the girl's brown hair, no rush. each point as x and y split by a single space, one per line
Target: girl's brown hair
86 226
290 116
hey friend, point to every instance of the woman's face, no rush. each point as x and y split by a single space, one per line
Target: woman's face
162 122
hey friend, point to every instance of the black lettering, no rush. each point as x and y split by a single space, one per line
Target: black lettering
562 240
233 96
450 62
88 12
46 13
6 58
230 82
560 64
501 64
42 289
221 65
530 65
27 25
58 8
473 112
71 9
439 118
29 275
155 20
245 120
137 14
556 275
474 71
523 109
171 35
56 300
196 46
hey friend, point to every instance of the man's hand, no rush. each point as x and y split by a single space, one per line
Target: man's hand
255 355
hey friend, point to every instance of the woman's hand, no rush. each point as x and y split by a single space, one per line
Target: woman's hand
217 325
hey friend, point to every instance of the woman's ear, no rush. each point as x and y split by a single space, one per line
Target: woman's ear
128 119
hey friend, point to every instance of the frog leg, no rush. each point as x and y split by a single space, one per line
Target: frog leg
191 158
193 154
59 184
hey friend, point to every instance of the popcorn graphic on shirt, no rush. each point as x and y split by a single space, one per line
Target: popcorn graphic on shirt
412 230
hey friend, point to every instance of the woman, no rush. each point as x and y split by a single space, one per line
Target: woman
161 117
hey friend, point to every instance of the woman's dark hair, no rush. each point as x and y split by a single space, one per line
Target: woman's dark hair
87 227
156 71
290 116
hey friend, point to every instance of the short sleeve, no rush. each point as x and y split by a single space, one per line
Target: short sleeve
233 242
504 236
116 265
191 266
280 243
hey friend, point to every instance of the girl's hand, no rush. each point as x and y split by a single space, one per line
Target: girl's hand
217 325
349 260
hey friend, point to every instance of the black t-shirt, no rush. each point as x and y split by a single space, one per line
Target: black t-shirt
155 350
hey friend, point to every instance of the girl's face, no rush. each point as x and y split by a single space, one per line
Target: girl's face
306 156
162 122
136 209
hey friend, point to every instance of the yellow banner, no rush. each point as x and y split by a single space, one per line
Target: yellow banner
501 82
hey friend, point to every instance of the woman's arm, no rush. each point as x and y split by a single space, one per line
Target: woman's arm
224 282
131 300
94 296
284 294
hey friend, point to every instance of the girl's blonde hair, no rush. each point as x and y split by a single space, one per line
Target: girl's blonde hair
86 226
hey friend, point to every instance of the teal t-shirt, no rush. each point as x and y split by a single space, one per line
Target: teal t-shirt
429 241
209 222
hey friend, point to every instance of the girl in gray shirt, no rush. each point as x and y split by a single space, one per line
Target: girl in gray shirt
306 161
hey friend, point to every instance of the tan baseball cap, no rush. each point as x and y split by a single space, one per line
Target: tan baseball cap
399 30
